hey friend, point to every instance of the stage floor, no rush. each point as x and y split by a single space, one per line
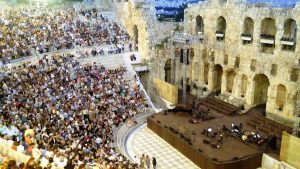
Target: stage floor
232 147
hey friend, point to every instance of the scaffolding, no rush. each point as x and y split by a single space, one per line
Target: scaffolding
185 41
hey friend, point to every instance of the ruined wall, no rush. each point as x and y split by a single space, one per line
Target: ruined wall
138 15
142 15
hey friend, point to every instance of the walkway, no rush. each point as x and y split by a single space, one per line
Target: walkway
144 141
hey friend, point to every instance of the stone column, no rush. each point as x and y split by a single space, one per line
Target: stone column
279 35
184 77
162 70
201 81
237 86
173 69
296 125
271 105
211 77
250 92
193 27
177 68
224 82
256 32
290 105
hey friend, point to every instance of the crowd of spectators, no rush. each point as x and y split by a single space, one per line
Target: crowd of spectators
61 112
22 34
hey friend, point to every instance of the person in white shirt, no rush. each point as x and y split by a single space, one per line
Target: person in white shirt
60 162
20 148
36 153
44 161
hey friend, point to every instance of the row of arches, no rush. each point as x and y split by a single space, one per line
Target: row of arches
261 86
260 90
268 26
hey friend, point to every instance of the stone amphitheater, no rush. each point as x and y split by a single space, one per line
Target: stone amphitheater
242 54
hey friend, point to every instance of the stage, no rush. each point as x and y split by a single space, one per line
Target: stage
233 154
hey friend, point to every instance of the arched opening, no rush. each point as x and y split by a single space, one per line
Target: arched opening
168 71
206 70
135 36
221 28
248 30
230 80
268 33
244 86
281 96
199 25
261 85
268 27
288 40
248 26
218 72
290 28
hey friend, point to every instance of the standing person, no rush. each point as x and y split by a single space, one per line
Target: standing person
142 161
148 161
154 162
136 160
130 47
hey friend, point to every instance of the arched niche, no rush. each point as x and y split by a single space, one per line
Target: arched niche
248 26
230 80
268 27
221 24
199 25
268 35
218 72
261 85
280 96
290 29
288 40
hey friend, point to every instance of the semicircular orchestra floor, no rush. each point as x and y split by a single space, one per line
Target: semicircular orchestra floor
143 141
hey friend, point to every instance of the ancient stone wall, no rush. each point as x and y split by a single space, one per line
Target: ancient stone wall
140 21
241 57
137 18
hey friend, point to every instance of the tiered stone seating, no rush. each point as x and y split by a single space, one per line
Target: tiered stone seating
268 126
219 106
